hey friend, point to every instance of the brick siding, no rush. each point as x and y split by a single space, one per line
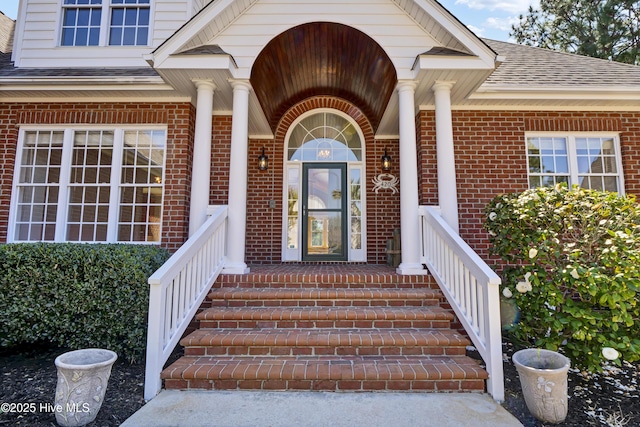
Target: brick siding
489 149
490 156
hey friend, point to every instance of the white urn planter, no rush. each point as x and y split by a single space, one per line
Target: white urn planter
543 377
82 383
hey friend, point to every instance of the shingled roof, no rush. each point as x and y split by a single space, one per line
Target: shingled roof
8 70
523 67
531 67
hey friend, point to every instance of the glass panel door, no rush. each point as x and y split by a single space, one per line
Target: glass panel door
324 215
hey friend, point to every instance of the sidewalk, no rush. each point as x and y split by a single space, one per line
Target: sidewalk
291 409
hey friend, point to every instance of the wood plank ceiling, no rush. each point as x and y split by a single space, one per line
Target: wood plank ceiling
323 58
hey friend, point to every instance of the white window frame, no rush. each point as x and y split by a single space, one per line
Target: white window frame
125 6
572 156
65 180
78 7
105 22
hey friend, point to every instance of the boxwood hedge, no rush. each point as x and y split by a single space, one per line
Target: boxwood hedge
77 295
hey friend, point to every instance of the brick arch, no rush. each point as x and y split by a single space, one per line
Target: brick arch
318 102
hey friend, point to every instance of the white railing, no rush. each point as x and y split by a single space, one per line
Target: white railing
471 288
178 288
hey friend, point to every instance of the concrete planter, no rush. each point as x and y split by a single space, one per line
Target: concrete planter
543 377
82 383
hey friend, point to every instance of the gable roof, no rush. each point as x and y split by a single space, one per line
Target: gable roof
433 26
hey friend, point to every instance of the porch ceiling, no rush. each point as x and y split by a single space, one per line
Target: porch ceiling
323 58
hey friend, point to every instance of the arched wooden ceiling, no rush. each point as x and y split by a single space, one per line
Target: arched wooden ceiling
323 58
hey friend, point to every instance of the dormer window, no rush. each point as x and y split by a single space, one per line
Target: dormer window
105 22
81 22
129 22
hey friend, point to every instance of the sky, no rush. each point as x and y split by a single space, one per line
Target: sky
486 18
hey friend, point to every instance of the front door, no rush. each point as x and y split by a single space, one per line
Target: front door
324 212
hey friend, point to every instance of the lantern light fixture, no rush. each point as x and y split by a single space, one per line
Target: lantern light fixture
386 161
263 161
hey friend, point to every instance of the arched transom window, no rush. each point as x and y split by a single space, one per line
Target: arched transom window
325 137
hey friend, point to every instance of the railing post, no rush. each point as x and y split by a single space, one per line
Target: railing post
495 383
154 342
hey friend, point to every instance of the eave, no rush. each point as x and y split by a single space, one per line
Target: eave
619 93
99 83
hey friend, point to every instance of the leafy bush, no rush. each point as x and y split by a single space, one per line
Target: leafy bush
572 265
77 295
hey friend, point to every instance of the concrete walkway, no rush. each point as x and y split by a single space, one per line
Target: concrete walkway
292 409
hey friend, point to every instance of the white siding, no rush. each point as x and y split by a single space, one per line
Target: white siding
168 17
40 40
40 27
382 20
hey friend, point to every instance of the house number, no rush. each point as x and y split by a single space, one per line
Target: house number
385 181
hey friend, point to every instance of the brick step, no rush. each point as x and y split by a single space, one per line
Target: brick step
316 342
335 327
325 317
309 297
310 277
331 373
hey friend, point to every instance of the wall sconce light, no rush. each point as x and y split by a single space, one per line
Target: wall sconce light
263 161
386 161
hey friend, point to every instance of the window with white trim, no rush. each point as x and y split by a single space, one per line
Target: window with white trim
81 22
89 185
105 22
586 160
129 24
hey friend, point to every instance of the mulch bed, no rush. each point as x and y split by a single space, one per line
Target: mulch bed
29 376
607 399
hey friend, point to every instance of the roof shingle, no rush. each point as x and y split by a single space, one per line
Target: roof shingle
524 67
531 67
7 69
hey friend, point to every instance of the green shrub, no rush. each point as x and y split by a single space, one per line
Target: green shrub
571 262
77 295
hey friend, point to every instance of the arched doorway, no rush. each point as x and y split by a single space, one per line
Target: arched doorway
324 199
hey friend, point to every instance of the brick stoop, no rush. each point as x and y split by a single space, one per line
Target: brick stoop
325 327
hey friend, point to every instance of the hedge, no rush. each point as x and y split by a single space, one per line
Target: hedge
571 264
77 295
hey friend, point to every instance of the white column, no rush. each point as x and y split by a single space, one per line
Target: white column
201 169
409 219
447 192
237 220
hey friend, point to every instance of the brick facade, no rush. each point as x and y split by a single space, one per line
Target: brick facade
220 158
490 156
489 149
